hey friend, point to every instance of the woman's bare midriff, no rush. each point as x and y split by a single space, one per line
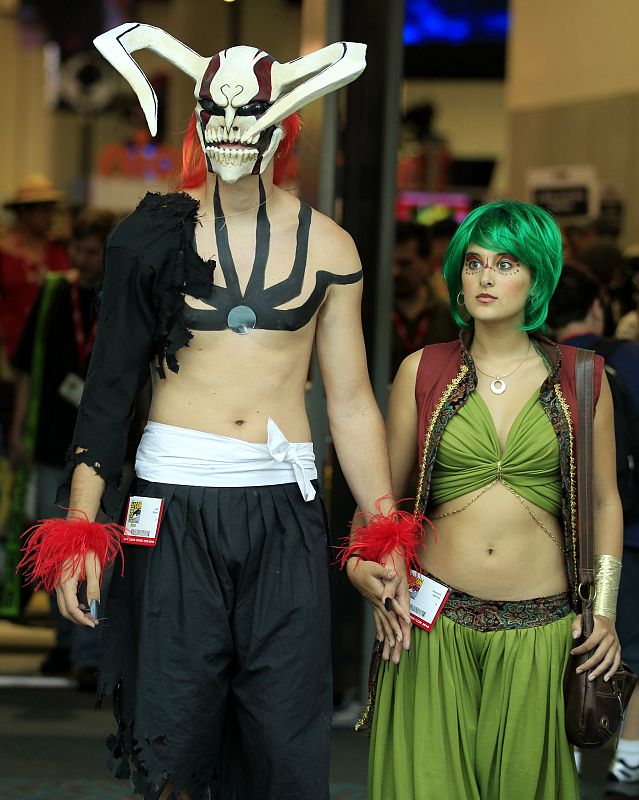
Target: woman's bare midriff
230 384
494 549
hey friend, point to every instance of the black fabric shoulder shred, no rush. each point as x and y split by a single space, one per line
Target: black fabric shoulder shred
169 220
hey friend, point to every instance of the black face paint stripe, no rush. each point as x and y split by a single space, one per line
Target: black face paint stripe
225 258
262 248
289 319
263 301
292 286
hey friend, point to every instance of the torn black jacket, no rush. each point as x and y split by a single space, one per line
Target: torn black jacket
150 264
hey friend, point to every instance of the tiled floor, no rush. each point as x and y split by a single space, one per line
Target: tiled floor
51 739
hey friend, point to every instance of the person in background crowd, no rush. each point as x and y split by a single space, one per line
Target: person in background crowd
628 325
604 260
419 316
576 237
27 254
576 316
54 352
631 258
441 232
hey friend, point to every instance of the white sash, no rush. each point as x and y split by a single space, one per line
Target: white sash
169 454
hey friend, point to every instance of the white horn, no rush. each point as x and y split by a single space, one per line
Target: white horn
117 45
304 79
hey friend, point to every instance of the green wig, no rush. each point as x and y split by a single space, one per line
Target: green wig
528 233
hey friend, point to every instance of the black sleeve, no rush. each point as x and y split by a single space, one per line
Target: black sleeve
119 367
23 355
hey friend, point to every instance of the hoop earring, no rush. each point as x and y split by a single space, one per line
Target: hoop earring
460 302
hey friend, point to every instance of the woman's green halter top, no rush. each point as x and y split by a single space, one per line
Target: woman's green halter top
469 457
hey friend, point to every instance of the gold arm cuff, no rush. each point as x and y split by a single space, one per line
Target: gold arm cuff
607 575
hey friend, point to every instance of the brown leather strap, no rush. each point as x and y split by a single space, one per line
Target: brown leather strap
585 376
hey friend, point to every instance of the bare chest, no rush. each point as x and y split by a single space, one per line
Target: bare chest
262 279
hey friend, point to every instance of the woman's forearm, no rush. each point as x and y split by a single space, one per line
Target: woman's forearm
608 522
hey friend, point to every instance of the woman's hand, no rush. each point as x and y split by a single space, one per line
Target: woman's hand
603 644
67 590
386 589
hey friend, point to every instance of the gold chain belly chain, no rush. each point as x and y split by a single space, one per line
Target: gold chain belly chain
488 486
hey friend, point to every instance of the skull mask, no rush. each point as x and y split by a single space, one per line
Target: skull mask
242 93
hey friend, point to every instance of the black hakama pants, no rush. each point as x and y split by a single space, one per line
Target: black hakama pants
216 647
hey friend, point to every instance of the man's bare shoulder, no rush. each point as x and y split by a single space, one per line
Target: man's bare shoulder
331 247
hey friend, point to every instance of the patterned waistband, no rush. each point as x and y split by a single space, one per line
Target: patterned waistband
500 615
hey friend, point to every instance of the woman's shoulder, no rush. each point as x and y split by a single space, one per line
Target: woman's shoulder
409 366
439 353
435 362
569 366
569 356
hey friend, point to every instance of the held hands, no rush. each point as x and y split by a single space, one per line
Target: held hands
67 590
603 644
385 586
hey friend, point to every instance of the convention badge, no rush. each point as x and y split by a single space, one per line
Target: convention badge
427 598
71 389
142 521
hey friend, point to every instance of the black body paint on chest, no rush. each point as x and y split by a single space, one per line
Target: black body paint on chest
257 307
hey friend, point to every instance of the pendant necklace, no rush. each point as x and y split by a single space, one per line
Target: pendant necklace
498 384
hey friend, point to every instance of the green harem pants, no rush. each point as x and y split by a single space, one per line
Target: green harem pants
475 714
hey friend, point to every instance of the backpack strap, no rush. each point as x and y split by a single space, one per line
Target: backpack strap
584 373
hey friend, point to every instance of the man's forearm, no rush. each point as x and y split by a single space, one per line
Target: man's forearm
86 492
360 442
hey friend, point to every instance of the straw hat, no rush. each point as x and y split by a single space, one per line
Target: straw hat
34 188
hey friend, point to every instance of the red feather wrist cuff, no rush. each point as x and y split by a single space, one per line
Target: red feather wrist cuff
384 534
55 546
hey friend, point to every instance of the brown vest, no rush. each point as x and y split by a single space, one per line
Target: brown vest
446 376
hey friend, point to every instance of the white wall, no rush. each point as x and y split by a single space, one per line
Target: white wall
573 93
566 51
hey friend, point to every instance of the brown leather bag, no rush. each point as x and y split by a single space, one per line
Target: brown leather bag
594 709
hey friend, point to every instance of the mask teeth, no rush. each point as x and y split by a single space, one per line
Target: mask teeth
249 140
231 156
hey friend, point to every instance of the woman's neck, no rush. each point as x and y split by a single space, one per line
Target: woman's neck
499 342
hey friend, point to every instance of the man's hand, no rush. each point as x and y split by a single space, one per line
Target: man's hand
604 645
67 590
386 589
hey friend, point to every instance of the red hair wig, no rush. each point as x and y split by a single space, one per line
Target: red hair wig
193 172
